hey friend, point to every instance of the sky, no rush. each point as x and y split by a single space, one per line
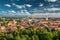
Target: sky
30 8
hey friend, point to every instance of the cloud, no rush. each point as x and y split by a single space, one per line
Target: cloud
43 15
37 10
11 11
3 11
8 5
18 6
21 6
52 9
51 0
18 13
27 14
37 13
41 4
24 12
28 5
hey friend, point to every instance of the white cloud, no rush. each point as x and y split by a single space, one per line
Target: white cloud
11 11
43 15
36 10
21 6
3 11
28 5
8 5
51 0
18 6
41 4
24 12
52 9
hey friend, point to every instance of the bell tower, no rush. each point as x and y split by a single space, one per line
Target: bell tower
46 17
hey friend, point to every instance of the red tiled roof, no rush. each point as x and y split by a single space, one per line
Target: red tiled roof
44 20
54 23
11 23
35 25
24 25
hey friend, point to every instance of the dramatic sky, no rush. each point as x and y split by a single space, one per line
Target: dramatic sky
30 8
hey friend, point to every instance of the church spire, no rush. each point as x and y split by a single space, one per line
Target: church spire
46 17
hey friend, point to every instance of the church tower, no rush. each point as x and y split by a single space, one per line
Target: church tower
46 17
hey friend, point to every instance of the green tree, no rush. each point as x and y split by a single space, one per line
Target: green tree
35 37
9 36
17 37
25 37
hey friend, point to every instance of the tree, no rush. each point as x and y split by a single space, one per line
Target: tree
25 37
17 37
35 37
9 36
